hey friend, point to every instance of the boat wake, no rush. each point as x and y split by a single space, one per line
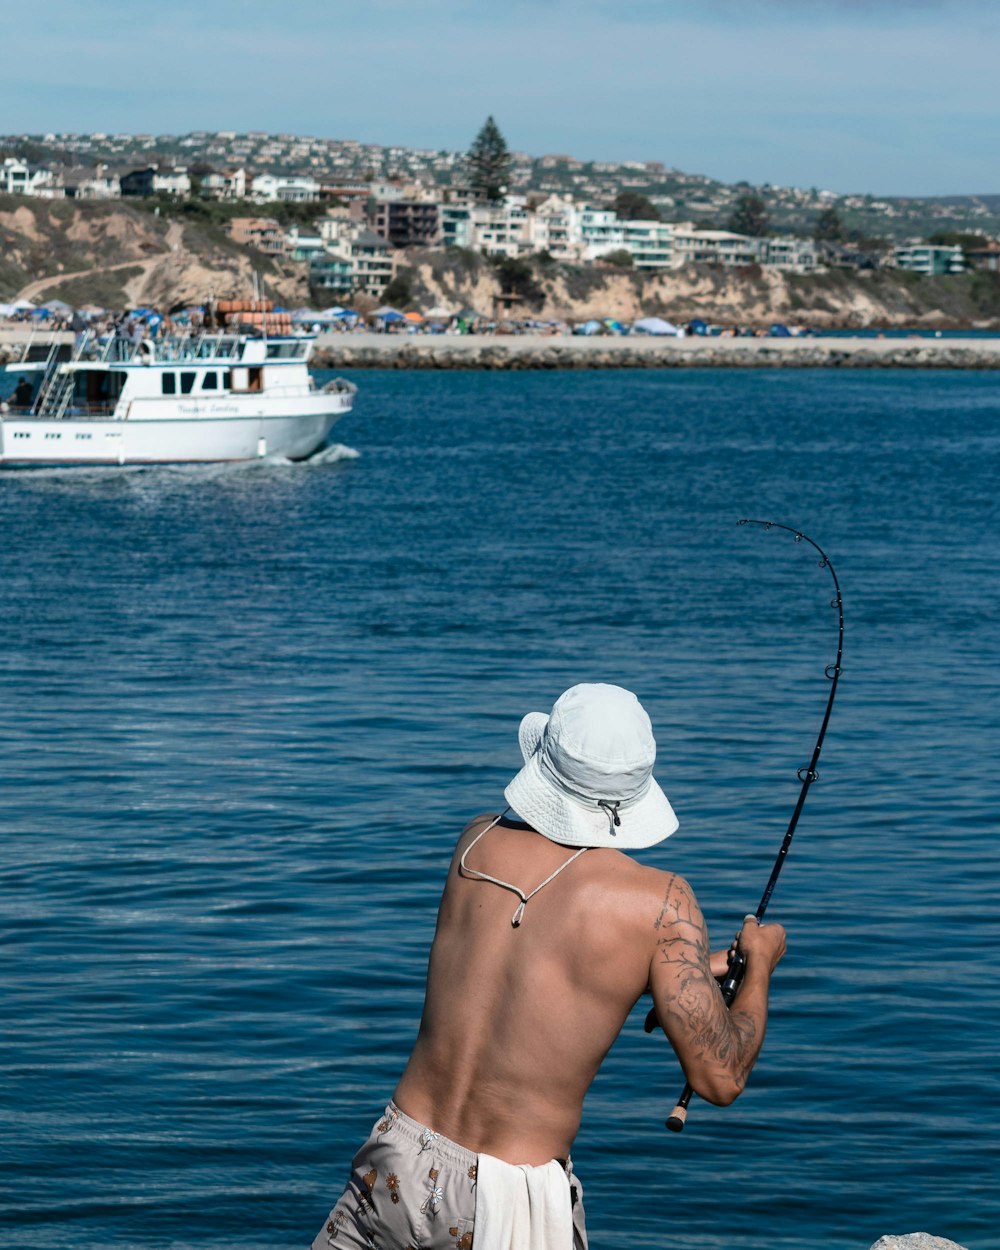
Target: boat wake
333 453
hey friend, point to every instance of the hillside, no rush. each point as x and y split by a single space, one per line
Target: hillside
751 296
116 256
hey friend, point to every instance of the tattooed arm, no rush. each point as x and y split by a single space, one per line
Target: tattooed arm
716 1047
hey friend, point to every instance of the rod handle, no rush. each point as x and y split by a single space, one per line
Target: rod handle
737 966
678 1117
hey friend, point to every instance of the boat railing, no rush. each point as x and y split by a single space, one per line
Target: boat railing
173 349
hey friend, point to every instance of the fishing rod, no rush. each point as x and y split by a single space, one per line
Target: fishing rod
807 776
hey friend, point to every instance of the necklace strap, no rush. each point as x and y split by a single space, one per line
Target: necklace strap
518 915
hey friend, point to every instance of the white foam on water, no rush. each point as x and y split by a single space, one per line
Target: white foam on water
333 453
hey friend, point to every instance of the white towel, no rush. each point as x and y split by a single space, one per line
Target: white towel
519 1207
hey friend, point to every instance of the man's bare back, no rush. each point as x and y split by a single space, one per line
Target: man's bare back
517 1020
547 936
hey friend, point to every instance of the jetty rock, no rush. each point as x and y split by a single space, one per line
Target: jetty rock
915 1241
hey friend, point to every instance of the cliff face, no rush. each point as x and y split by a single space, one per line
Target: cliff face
117 256
750 296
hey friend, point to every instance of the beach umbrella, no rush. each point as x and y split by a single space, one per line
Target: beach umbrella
439 313
589 327
415 317
57 306
778 331
697 326
22 305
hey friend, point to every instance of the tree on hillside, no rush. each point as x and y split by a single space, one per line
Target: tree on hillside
829 228
750 217
631 206
489 163
967 240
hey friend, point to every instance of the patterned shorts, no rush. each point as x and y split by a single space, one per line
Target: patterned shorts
412 1189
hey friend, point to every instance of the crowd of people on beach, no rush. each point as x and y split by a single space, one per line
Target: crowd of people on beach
92 323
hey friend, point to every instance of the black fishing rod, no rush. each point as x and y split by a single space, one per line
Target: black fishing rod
807 776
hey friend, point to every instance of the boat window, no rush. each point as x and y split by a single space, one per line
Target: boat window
246 379
210 382
187 382
168 383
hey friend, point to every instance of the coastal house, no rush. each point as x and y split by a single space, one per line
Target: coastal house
353 258
299 246
600 232
157 180
713 247
789 254
17 177
223 184
500 229
99 183
986 257
649 242
930 259
291 188
331 273
262 233
554 227
371 263
455 223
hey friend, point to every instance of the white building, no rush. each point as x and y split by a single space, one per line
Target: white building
175 182
929 259
353 258
295 188
17 177
500 229
554 227
650 243
790 254
713 247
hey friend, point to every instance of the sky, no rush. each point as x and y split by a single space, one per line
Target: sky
892 97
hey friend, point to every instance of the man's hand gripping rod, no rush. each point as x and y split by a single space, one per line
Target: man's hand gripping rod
737 964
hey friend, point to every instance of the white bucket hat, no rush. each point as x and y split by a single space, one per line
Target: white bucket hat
587 778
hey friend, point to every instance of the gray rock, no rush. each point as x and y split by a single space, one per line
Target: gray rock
915 1241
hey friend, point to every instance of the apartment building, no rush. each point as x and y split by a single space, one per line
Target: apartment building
713 247
929 259
407 223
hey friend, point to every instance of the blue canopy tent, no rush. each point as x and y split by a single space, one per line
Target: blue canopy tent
779 331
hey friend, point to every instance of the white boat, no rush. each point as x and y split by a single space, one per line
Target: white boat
183 399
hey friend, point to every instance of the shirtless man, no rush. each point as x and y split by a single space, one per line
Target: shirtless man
547 936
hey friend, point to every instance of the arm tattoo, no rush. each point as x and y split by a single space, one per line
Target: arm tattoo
723 1037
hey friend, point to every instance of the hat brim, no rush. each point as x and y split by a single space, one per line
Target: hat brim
560 818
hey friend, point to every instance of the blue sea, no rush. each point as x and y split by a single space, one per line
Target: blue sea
245 711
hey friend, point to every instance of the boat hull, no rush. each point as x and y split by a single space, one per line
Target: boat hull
34 441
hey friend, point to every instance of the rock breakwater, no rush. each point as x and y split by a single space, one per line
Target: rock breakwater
374 351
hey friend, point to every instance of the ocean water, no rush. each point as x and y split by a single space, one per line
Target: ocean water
245 711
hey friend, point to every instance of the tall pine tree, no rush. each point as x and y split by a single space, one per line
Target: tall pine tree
489 163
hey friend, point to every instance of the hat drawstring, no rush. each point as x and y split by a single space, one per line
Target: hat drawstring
611 807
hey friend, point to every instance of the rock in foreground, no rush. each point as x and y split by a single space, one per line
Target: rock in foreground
915 1241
